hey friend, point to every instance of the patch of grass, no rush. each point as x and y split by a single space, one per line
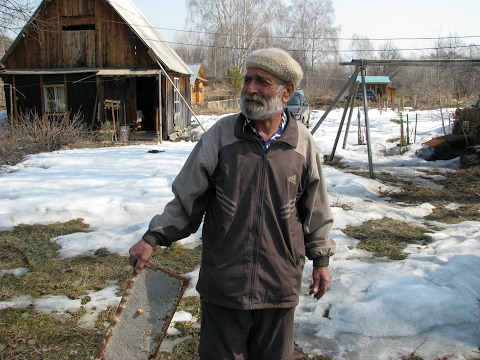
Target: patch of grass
177 258
25 334
387 237
460 187
393 140
30 247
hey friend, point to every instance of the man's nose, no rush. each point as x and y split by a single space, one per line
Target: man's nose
250 87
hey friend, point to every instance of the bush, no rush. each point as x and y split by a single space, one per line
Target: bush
32 134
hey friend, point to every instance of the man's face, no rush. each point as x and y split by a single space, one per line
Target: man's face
262 95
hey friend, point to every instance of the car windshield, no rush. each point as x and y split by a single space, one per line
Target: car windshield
294 100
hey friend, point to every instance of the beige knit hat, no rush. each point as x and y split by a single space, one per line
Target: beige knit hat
276 62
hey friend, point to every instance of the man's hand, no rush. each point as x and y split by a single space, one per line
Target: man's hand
321 278
139 254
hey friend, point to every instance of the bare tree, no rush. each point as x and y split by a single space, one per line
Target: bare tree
235 25
361 47
13 16
190 47
314 37
387 51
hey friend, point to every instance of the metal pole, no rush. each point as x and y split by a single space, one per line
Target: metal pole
350 79
367 127
339 132
352 102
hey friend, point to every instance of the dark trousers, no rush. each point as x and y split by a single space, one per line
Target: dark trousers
230 334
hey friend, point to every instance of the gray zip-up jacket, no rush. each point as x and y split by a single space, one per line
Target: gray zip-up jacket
263 213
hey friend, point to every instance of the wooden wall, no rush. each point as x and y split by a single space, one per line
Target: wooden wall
79 33
198 92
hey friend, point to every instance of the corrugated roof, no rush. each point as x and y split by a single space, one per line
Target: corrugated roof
150 36
375 79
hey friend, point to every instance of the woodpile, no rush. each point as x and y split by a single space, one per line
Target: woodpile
467 123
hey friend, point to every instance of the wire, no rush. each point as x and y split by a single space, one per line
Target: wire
316 38
295 37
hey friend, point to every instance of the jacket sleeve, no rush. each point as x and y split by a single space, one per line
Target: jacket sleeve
183 215
318 218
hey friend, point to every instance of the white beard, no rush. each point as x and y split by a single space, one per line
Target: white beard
256 107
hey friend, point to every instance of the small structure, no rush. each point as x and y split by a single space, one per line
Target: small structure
73 56
380 85
197 83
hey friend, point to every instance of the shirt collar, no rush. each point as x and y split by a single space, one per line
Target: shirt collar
266 144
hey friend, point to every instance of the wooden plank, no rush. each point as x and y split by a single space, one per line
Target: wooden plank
143 315
78 20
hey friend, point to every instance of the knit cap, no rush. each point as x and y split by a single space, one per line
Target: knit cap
276 62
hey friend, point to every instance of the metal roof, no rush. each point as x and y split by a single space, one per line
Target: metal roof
150 36
195 69
374 79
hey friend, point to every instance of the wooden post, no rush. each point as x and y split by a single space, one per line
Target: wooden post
159 110
408 135
415 135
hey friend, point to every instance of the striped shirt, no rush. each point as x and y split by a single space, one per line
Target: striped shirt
266 144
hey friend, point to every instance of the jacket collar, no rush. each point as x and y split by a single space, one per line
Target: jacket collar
289 136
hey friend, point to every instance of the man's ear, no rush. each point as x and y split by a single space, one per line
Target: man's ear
287 91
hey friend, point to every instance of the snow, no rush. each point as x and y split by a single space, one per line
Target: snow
427 304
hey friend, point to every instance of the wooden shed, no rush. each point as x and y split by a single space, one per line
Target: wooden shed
92 56
197 83
380 85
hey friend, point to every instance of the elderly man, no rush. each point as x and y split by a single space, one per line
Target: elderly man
257 178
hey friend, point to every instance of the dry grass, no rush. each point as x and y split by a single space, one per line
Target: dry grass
461 187
387 237
32 134
25 334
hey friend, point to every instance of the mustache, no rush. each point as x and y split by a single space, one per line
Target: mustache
256 98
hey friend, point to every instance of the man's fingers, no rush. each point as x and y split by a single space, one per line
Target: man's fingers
320 292
320 281
139 266
139 254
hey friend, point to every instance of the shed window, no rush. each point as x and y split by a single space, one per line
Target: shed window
176 96
78 27
55 100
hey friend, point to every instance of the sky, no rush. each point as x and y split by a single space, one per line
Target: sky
378 309
376 20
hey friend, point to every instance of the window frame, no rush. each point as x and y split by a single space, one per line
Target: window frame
176 96
59 99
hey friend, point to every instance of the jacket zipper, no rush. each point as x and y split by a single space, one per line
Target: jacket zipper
258 230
